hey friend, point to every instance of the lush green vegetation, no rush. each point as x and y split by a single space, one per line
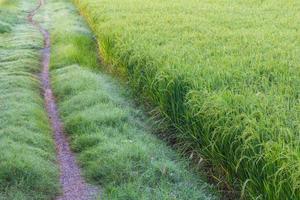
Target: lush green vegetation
27 159
224 73
113 146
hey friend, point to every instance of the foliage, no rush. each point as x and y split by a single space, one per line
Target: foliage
27 160
114 147
225 73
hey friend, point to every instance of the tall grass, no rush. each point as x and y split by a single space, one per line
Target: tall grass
225 73
27 156
114 147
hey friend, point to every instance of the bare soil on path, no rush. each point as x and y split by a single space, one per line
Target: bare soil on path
73 185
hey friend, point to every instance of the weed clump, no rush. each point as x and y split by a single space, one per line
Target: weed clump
4 27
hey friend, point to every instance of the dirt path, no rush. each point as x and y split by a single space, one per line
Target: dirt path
73 185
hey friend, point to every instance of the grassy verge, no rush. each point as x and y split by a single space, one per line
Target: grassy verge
225 73
113 146
27 159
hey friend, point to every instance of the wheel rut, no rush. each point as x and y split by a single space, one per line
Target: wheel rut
73 185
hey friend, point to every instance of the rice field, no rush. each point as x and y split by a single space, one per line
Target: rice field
220 80
224 74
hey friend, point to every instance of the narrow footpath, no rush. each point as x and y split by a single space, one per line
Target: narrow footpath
73 185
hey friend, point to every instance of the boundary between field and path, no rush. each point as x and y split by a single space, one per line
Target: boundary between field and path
74 187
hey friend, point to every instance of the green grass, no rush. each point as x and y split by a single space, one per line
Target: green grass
224 73
27 160
114 147
8 17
